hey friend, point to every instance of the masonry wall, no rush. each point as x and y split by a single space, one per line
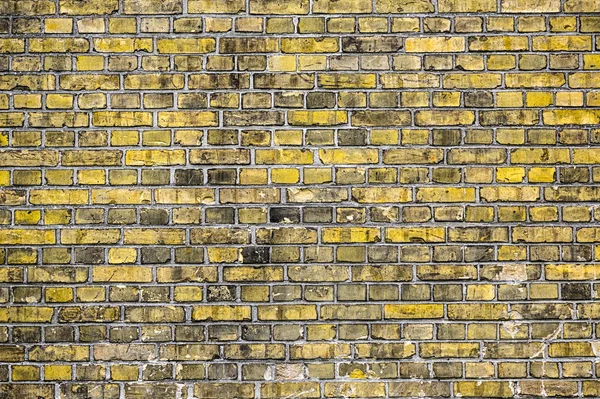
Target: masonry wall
299 198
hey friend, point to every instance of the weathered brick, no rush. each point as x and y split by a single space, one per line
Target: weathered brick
419 311
287 312
571 117
435 45
187 119
121 274
59 45
215 390
471 6
409 80
344 6
216 7
74 7
415 234
121 118
545 6
122 45
537 80
444 118
221 313
152 6
126 352
471 81
488 389
381 118
320 351
477 312
542 234
186 46
294 198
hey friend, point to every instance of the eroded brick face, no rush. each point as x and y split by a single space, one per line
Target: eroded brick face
264 199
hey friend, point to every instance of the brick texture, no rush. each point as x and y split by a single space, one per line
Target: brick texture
299 199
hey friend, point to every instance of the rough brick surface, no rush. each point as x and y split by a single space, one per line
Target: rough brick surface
263 199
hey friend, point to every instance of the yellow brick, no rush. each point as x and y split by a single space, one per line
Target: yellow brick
583 80
59 197
187 119
446 99
163 236
347 81
221 313
317 118
435 194
282 63
569 99
544 6
59 45
381 118
510 194
409 80
393 7
501 62
90 63
90 236
351 234
571 117
124 372
154 157
58 25
26 314
122 274
121 118
122 45
25 373
444 118
285 176
535 80
120 196
12 45
188 294
279 7
542 234
57 372
59 294
498 43
341 6
415 234
27 101
539 99
27 217
186 46
122 255
122 25
381 195
435 45
470 6
349 156
471 80
284 157
355 389
287 312
416 311
509 99
254 176
562 43
58 101
478 389
540 156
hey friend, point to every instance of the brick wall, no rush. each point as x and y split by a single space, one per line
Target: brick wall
299 198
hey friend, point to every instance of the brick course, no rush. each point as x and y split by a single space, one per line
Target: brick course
299 198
